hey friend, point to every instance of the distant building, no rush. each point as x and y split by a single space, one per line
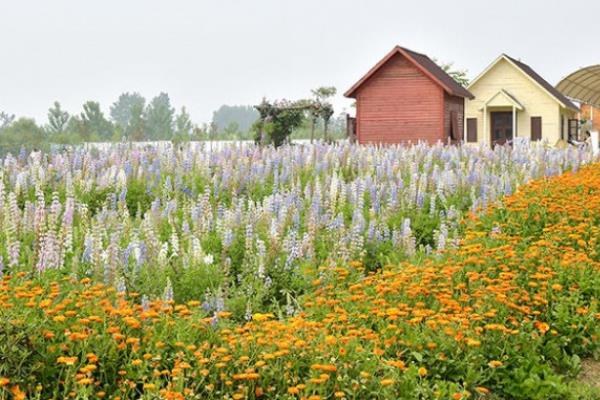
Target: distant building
406 97
512 100
591 114
583 85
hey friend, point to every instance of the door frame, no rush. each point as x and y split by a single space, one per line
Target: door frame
492 113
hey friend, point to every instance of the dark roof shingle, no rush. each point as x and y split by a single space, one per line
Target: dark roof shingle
455 88
426 64
543 83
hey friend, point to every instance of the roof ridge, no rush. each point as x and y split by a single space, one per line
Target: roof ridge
412 51
540 80
427 66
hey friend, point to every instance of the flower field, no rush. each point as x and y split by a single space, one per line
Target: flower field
303 272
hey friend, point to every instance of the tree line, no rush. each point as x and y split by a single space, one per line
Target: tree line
130 118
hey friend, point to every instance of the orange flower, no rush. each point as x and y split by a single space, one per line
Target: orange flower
66 360
17 393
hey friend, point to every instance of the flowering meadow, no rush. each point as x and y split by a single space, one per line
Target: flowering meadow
309 272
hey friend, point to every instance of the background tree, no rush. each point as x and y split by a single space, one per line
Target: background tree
159 118
23 133
91 124
326 113
6 119
183 123
323 108
136 127
459 75
57 119
200 132
121 111
243 116
232 131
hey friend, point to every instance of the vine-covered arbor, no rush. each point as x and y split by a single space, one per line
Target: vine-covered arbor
278 119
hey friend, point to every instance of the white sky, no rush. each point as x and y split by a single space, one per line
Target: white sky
207 53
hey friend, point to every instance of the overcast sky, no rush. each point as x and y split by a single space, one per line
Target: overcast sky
209 53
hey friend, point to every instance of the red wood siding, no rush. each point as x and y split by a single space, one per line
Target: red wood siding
456 104
400 104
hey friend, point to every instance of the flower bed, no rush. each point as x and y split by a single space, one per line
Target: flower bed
508 314
243 229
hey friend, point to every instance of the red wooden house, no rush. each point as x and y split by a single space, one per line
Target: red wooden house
406 97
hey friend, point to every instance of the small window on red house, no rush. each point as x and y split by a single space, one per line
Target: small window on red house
472 130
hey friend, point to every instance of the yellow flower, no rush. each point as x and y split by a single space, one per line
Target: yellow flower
422 371
66 360
330 340
387 382
4 382
495 364
258 317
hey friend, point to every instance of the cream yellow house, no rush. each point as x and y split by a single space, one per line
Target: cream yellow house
513 101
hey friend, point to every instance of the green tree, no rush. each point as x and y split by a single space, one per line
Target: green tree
57 119
183 123
136 129
95 125
121 111
200 132
459 75
232 131
322 108
6 119
326 113
243 116
22 133
159 117
324 92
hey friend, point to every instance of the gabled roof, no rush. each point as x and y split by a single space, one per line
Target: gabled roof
535 77
509 98
423 63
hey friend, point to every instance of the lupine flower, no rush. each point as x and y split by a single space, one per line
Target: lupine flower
168 292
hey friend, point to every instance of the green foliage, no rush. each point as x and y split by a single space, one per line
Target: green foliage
138 199
226 116
23 133
159 118
91 124
6 119
183 124
278 120
459 75
125 112
57 119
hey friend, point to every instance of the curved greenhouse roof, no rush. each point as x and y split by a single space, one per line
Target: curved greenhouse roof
583 85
